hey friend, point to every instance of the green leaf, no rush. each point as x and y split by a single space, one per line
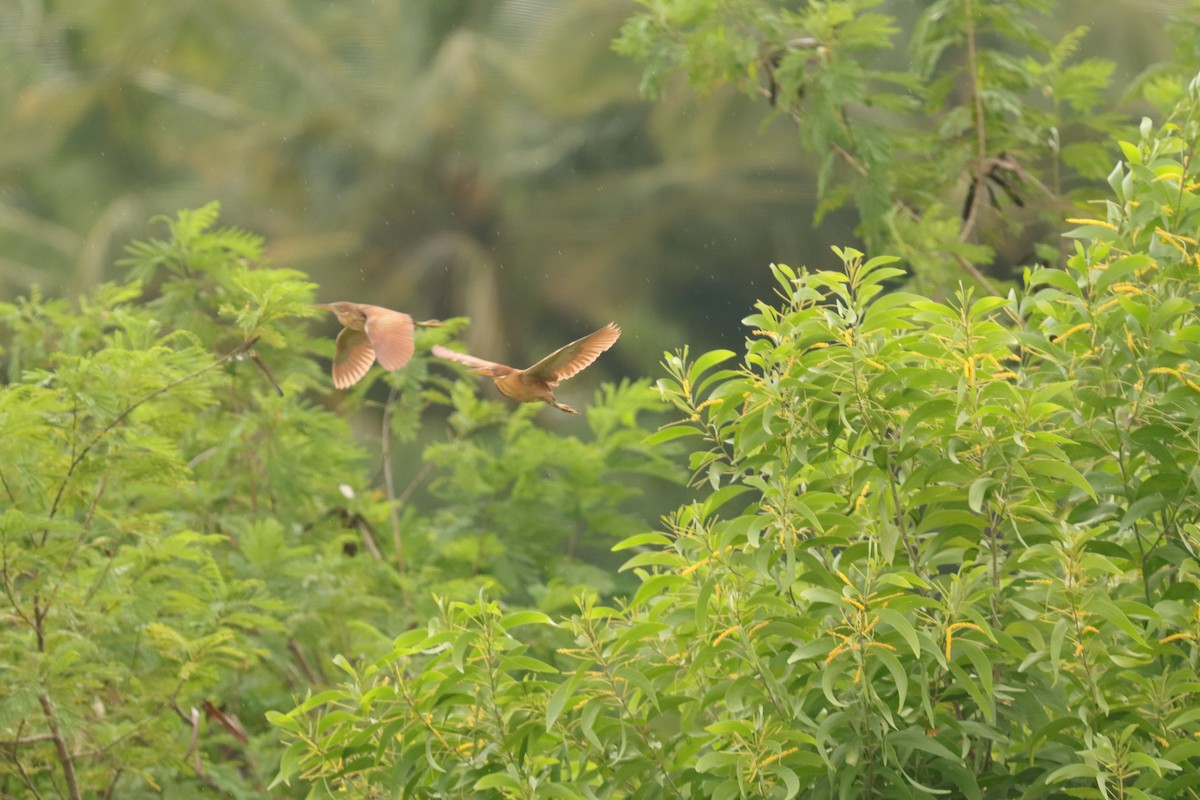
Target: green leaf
900 624
498 780
527 617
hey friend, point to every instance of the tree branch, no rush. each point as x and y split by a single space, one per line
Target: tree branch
60 745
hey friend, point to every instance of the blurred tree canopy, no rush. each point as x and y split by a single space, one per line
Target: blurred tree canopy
949 533
493 159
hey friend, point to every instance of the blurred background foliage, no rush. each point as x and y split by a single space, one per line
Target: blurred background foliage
489 159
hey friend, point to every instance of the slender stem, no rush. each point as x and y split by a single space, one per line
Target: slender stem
389 481
295 650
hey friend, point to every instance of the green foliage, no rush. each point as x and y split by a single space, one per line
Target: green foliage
185 544
967 146
945 548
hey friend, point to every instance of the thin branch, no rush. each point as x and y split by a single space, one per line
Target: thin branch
34 739
981 160
12 498
294 649
60 745
112 784
368 535
263 366
193 721
389 482
25 777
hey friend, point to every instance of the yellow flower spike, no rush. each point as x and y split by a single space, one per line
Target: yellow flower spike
955 626
1078 649
1127 288
876 365
835 652
817 346
696 566
1193 385
1004 375
465 747
769 760
862 496
854 603
858 674
1089 629
987 357
842 575
884 645
1107 305
1167 371
1174 637
1083 326
725 634
1101 223
758 627
708 403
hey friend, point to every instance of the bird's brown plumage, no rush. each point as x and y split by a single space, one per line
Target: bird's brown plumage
537 382
368 333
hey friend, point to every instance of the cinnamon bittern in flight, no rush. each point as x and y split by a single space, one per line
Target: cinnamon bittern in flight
369 332
537 382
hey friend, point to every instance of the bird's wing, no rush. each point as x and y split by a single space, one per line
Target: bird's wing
391 334
463 358
568 361
352 358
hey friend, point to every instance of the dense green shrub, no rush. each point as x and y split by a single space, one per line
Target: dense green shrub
942 548
183 548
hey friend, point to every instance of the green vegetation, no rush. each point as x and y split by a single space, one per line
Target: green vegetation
913 538
941 548
182 550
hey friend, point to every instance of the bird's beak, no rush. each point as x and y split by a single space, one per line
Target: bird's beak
481 370
322 306
430 323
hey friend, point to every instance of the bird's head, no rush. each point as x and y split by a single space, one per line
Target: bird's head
350 315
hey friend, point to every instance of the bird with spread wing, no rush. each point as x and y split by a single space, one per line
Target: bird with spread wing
370 333
536 383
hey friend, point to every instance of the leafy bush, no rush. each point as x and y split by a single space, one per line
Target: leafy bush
958 131
943 548
183 548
